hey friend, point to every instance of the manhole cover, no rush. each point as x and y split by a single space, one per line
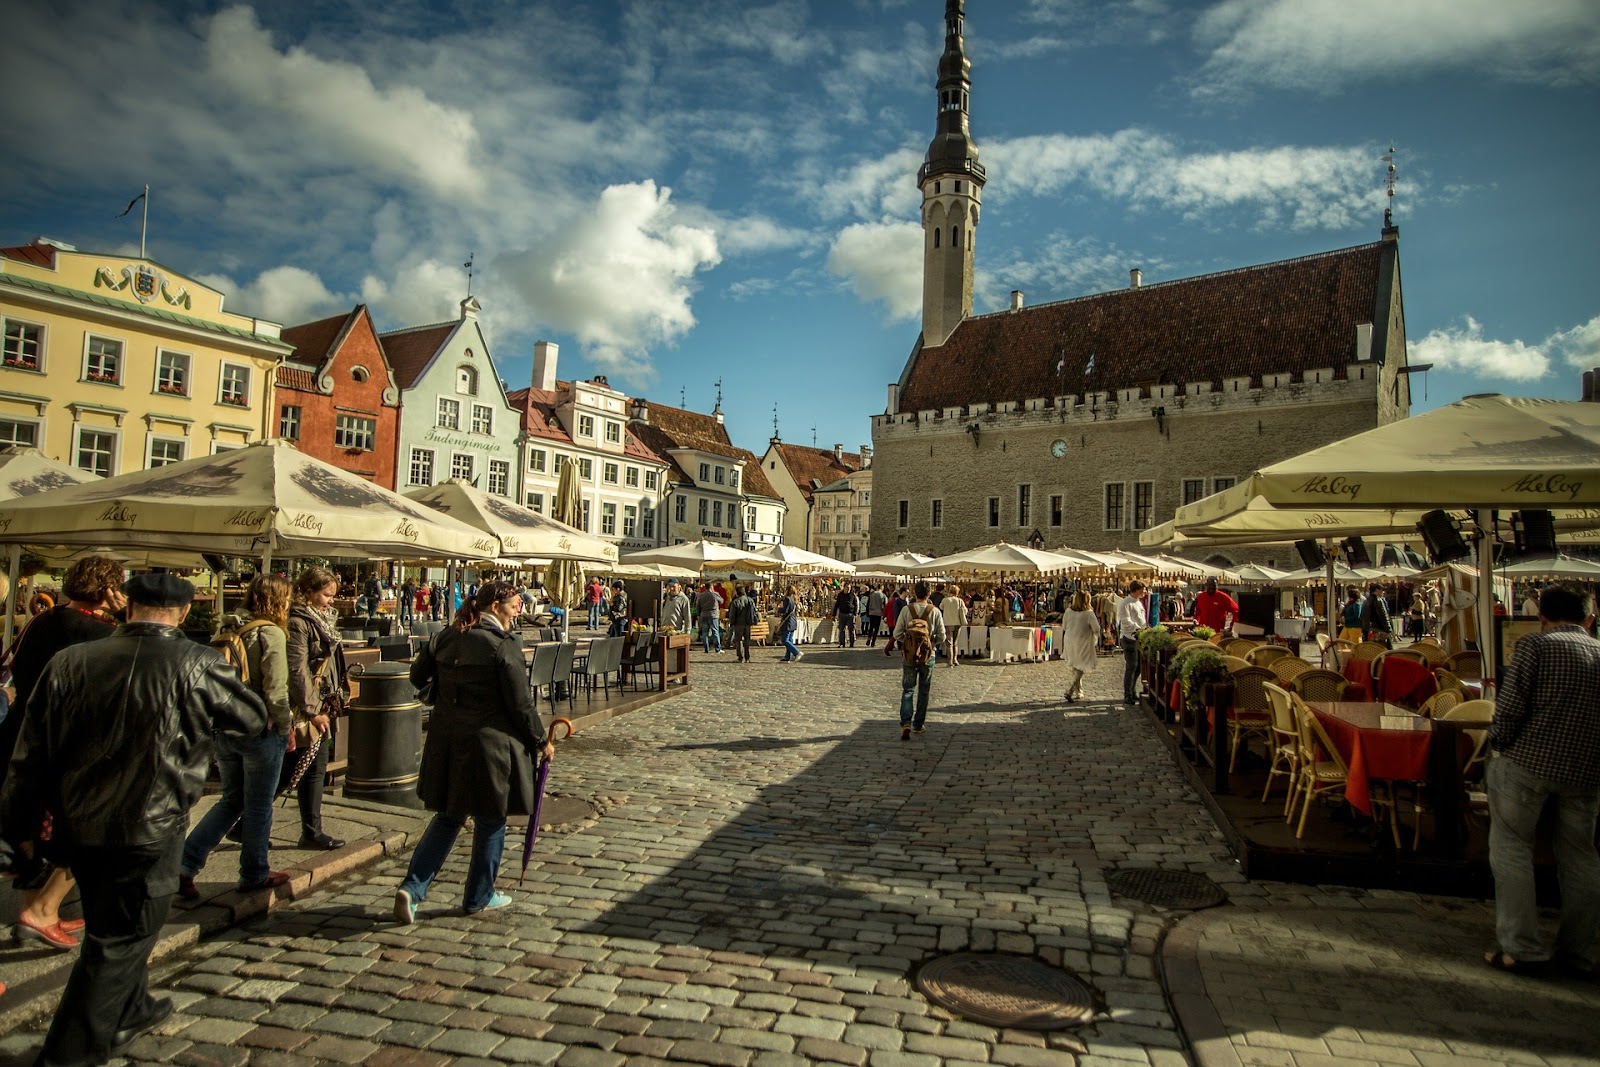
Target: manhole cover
1007 991
1168 889
560 810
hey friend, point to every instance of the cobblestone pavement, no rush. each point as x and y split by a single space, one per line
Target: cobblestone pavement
768 863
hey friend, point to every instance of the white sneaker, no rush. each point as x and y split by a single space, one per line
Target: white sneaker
799 656
405 909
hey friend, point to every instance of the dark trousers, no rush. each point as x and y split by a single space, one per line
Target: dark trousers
741 641
847 628
1130 669
126 892
309 791
869 628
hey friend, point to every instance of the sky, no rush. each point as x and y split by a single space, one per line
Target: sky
682 192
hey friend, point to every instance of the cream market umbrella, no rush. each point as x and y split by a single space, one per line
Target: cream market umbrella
799 561
266 499
998 562
648 572
1560 568
703 556
892 564
1319 576
521 531
25 472
565 584
1256 574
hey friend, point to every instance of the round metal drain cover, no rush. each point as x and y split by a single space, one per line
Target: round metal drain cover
560 810
1168 889
1007 991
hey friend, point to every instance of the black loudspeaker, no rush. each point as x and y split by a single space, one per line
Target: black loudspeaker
1310 554
1442 534
214 562
1534 533
1355 552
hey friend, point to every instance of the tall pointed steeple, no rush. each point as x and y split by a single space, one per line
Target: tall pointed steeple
951 179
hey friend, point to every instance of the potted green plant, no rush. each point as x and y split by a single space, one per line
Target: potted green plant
1204 633
1195 667
1153 640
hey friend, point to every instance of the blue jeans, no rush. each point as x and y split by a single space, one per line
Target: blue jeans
488 842
249 769
914 682
710 636
790 649
594 615
1516 797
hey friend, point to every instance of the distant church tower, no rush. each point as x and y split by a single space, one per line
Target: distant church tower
951 179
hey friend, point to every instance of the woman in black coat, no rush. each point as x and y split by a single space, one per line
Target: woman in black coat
478 760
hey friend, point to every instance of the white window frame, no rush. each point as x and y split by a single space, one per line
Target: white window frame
705 473
500 475
750 517
289 424
536 502
226 375
150 450
1183 490
35 426
866 498
586 468
182 369
733 477
630 477
630 520
1150 508
482 419
647 523
420 458
537 460
467 380
463 462
1221 482
77 448
613 432
719 475
1105 506
448 415
608 519
586 426
17 360
120 357
680 508
586 527
349 431
610 472
701 510
651 479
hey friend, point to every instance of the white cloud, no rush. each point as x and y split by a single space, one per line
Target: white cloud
334 107
882 261
1061 268
1287 186
286 295
1322 44
619 277
1579 346
873 188
1467 350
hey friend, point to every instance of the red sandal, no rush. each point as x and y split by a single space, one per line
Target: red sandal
53 936
72 926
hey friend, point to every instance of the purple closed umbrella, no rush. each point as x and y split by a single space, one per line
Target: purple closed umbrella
542 778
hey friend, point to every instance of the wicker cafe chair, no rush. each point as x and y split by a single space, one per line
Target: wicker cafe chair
1234 663
1468 665
1440 703
1288 669
1263 655
1432 653
1238 646
1339 652
1252 714
1478 712
1449 682
1322 770
1285 743
1382 658
1317 686
1368 650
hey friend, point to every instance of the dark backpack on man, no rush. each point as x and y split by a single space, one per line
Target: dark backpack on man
916 640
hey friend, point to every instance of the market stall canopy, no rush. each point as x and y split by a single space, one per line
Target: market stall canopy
1319 575
999 561
28 472
1480 452
265 497
646 572
1555 569
799 561
1256 574
521 531
890 565
703 555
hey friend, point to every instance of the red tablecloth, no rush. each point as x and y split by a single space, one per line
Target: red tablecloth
1406 681
1358 672
1371 750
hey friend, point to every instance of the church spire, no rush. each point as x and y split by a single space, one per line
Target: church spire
951 179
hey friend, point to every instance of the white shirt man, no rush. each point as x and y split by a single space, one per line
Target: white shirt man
1130 620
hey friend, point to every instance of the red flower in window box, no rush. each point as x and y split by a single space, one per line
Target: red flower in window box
97 376
174 390
236 401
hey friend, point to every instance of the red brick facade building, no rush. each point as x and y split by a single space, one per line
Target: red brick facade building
337 397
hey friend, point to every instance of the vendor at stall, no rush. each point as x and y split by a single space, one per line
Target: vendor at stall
1215 608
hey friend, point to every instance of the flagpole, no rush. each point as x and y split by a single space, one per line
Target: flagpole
144 222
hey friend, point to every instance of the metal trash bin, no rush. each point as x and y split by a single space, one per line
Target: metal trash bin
385 736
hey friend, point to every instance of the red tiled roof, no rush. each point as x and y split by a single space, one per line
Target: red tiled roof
671 427
302 379
806 464
39 255
632 446
538 407
411 350
1289 316
755 479
314 341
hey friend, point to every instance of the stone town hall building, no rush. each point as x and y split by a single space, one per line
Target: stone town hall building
1084 421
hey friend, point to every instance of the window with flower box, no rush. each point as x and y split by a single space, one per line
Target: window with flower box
24 345
235 385
102 361
172 373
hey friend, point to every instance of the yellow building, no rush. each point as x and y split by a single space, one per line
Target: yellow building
113 364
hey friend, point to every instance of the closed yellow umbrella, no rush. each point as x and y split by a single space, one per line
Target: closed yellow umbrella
565 582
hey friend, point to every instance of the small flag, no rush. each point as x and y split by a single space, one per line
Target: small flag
132 202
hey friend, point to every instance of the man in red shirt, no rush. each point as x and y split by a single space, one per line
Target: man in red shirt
1214 608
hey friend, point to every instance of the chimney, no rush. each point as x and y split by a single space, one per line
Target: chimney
544 364
866 456
838 453
470 308
1016 300
641 410
1135 278
1588 385
1363 341
894 399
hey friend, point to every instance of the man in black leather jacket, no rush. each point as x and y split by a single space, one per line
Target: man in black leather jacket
116 745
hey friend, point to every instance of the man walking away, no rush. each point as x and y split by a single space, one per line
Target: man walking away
844 606
741 618
919 631
874 622
1130 620
708 604
1375 617
1545 742
407 605
116 745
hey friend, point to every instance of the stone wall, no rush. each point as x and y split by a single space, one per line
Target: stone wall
963 458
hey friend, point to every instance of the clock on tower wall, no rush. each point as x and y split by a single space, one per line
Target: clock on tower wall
1058 448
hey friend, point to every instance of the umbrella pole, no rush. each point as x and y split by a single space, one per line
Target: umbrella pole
1485 606
1331 599
13 565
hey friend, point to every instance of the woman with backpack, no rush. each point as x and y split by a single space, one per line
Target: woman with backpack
250 767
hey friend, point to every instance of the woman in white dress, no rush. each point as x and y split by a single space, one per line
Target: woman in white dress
955 617
1080 635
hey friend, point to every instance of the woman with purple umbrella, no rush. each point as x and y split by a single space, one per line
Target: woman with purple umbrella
483 735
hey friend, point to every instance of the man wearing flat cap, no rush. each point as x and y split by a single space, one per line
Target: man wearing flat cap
115 744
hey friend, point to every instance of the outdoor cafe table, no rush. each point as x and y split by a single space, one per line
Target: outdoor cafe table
1376 741
1358 672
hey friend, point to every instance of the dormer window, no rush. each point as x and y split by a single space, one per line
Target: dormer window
467 380
359 374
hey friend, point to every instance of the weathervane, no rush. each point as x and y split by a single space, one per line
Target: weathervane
718 406
1388 187
774 422
471 256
